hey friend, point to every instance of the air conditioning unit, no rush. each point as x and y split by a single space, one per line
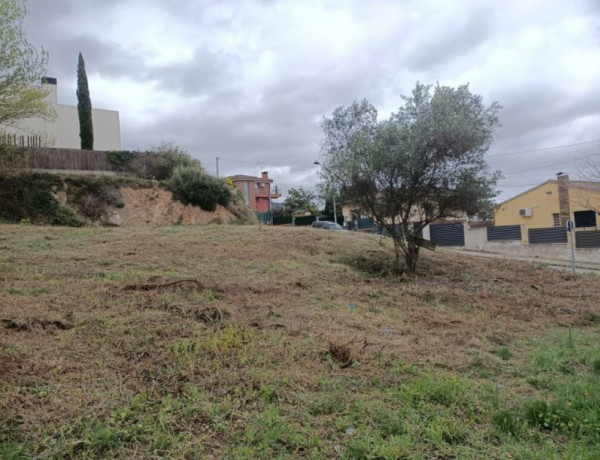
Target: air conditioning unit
525 212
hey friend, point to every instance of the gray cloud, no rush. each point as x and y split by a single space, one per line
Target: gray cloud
249 81
454 41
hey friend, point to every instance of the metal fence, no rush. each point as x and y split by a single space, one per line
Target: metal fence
547 235
585 240
448 234
504 232
265 217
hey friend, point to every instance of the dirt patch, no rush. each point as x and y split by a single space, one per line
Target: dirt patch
29 324
156 207
160 283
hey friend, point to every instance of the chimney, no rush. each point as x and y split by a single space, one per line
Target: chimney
265 175
563 198
49 81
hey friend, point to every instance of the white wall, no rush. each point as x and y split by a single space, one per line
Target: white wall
107 131
63 131
476 240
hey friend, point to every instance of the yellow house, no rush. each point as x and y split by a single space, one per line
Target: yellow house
552 203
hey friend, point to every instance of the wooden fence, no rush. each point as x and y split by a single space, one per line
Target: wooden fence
20 140
51 158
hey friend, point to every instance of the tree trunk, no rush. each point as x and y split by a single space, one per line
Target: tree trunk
411 255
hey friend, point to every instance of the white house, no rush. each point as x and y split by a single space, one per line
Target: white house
63 131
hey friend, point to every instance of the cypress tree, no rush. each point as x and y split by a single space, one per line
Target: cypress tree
84 108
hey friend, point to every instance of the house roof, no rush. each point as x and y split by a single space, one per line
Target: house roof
586 185
242 177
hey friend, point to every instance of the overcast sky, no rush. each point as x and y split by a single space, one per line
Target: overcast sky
249 81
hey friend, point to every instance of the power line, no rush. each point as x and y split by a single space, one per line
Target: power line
537 168
268 163
542 149
504 154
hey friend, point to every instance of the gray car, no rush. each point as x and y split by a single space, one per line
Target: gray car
326 224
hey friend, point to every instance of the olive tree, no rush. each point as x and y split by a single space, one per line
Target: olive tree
425 162
22 68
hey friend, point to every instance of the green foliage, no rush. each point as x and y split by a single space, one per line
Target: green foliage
29 197
166 158
22 68
283 219
549 416
193 186
325 405
564 367
300 200
160 163
272 435
12 451
426 162
120 159
92 195
84 107
504 353
304 220
507 422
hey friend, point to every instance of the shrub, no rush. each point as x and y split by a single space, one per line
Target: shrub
120 159
29 197
92 195
191 185
166 158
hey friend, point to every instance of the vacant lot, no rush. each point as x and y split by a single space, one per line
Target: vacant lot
254 342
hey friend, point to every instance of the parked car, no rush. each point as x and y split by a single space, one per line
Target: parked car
326 224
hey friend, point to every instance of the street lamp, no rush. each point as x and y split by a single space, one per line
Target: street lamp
334 208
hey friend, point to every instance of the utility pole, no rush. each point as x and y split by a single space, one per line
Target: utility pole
217 167
571 229
334 209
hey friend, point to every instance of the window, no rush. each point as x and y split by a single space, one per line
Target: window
585 219
556 220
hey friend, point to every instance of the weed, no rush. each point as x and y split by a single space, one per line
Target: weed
232 340
12 451
446 391
596 365
325 405
549 416
445 431
271 434
504 353
507 421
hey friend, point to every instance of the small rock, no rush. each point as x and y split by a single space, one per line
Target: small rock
114 219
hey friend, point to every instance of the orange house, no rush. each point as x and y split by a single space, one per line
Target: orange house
256 190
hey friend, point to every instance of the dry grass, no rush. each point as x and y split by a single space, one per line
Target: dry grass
187 333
